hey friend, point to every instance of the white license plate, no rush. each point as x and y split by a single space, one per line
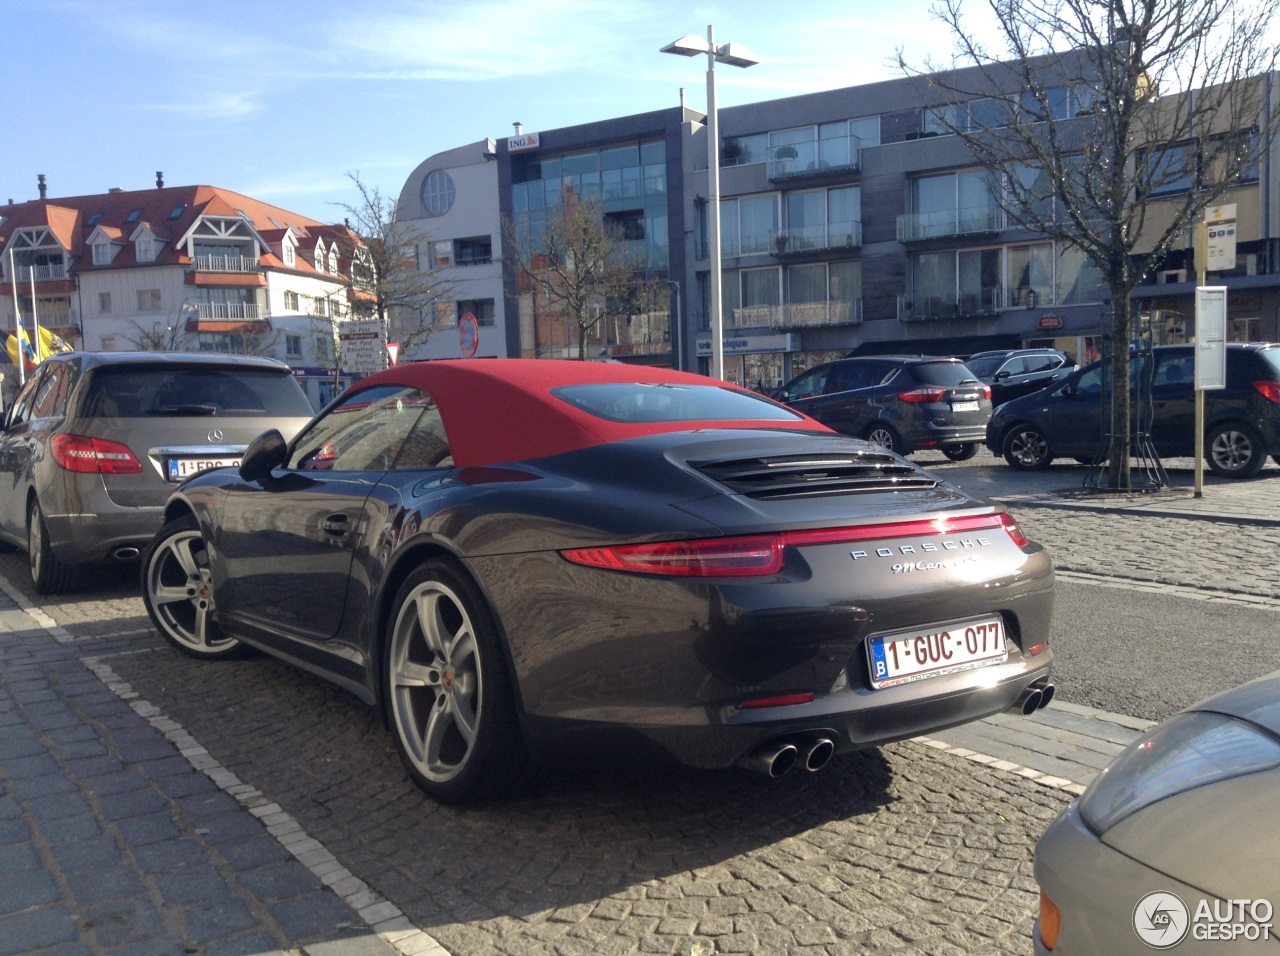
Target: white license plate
180 468
964 406
904 656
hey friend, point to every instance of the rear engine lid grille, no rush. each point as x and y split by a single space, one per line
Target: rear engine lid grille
794 476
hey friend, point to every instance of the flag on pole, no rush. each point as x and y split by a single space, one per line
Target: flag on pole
51 344
20 343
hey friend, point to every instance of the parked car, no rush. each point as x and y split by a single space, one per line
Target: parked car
527 563
903 403
1176 841
95 441
1242 421
1015 372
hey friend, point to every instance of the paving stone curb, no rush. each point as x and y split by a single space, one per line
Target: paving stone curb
378 913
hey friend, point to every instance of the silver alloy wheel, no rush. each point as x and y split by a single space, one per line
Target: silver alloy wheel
436 681
879 435
1232 451
35 544
1028 448
180 593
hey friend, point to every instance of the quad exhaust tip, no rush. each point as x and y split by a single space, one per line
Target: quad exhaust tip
776 758
128 553
1033 698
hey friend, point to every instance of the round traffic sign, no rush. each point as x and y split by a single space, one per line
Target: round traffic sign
468 334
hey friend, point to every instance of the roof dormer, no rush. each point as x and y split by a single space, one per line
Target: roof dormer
318 258
146 244
106 242
289 248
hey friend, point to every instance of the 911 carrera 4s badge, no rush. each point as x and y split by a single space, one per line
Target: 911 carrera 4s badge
901 657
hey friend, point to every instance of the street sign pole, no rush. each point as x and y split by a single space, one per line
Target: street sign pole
1201 248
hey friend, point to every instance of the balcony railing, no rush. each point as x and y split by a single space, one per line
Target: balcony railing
226 264
43 273
228 310
983 303
794 315
824 236
814 158
950 222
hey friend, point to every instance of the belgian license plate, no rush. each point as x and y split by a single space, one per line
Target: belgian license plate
180 468
964 406
901 657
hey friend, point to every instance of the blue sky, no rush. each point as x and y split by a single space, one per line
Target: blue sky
279 100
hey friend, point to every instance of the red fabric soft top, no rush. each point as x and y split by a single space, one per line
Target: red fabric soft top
497 411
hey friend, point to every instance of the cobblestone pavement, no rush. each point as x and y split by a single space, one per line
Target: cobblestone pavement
246 806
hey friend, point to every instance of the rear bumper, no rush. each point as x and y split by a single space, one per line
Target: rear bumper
94 538
949 435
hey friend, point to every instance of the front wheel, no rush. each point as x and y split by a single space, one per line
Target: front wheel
177 589
452 708
1026 448
960 452
1234 450
49 574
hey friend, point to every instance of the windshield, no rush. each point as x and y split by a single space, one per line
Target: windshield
637 402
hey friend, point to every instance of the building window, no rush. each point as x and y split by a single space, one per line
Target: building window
482 309
441 253
320 306
108 343
437 193
291 303
290 257
333 261
747 224
102 253
149 300
318 260
744 150
146 250
474 251
104 301
293 346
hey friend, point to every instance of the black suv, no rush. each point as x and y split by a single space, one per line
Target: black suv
1242 421
1014 372
903 403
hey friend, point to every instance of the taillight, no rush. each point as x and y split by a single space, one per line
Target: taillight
95 456
761 554
713 557
986 392
1270 390
923 394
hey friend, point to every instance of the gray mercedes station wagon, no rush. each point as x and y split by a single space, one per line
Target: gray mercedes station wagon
95 441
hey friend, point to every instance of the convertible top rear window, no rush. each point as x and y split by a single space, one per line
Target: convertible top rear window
640 402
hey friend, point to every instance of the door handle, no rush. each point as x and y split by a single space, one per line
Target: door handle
338 525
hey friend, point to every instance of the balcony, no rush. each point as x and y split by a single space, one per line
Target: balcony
794 315
916 226
736 245
794 160
226 264
228 310
819 238
42 273
983 303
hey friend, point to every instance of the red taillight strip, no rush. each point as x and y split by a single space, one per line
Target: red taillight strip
1269 390
785 700
757 555
901 529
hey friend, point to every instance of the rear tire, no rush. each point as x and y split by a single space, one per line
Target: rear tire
177 589
1026 448
1234 450
883 435
448 693
49 574
960 452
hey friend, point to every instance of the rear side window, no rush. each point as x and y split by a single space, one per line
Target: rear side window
367 431
164 390
942 373
647 402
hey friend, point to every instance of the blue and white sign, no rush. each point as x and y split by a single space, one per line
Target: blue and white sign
742 344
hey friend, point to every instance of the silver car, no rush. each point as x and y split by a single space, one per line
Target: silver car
95 441
1177 842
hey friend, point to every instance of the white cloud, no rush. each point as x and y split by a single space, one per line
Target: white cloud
211 104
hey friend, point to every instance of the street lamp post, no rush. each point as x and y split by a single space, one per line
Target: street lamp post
677 332
734 54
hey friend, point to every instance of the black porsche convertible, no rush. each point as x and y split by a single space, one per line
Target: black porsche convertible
526 563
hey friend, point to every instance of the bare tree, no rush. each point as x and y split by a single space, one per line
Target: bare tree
1110 125
386 278
582 266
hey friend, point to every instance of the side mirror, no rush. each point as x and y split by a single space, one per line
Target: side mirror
782 395
269 450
